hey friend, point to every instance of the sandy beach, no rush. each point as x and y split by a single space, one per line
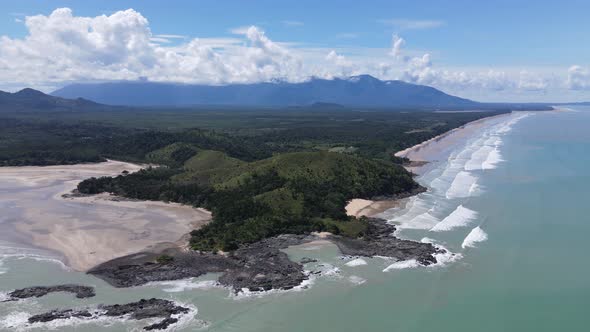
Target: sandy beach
430 150
368 208
86 231
420 155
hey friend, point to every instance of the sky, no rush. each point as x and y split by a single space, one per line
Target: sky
532 51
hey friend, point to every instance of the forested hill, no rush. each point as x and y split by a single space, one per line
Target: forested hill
31 100
289 193
261 173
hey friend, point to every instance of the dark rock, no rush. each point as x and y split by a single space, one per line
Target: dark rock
59 314
258 266
379 241
306 260
81 292
142 309
161 325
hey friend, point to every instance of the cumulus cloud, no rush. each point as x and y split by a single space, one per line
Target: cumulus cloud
396 45
578 78
341 67
61 48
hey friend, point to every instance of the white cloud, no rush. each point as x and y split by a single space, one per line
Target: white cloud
61 48
408 24
240 30
396 45
171 36
578 78
341 67
532 82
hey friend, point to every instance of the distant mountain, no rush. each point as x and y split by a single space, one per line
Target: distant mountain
29 99
361 90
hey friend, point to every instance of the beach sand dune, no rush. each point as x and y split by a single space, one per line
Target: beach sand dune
87 231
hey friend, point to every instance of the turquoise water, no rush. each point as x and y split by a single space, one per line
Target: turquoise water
523 180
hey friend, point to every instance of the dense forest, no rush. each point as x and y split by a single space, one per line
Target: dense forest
289 193
260 172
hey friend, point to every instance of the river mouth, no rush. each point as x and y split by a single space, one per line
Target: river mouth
83 232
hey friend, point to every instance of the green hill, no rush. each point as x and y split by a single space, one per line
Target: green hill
287 193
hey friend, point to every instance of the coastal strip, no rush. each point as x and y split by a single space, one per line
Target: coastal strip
427 151
84 231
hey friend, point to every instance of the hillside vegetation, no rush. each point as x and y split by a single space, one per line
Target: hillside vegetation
260 172
288 193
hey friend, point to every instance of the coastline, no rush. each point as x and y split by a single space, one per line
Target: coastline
423 153
420 155
89 230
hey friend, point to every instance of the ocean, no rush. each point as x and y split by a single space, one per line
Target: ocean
510 203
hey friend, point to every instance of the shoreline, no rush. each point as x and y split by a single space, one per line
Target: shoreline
412 151
420 155
88 231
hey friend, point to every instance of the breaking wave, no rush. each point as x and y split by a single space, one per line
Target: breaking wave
356 262
476 235
464 185
357 280
462 216
177 286
10 252
400 265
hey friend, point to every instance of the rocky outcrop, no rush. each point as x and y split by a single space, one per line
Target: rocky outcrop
142 309
80 292
379 241
261 265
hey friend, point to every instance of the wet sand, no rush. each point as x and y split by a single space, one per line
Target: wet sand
87 231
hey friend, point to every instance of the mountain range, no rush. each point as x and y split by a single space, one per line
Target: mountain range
363 90
356 91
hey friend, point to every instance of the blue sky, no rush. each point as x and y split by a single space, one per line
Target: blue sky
487 50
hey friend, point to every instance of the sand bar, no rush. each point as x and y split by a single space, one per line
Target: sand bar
86 231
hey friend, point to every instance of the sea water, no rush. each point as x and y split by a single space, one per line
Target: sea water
510 203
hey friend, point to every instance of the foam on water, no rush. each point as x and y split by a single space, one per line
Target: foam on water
400 265
356 262
492 160
19 320
478 158
463 186
245 293
177 286
461 217
476 235
321 270
10 252
356 280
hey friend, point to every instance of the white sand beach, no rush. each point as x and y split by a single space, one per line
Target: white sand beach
86 231
420 154
430 150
